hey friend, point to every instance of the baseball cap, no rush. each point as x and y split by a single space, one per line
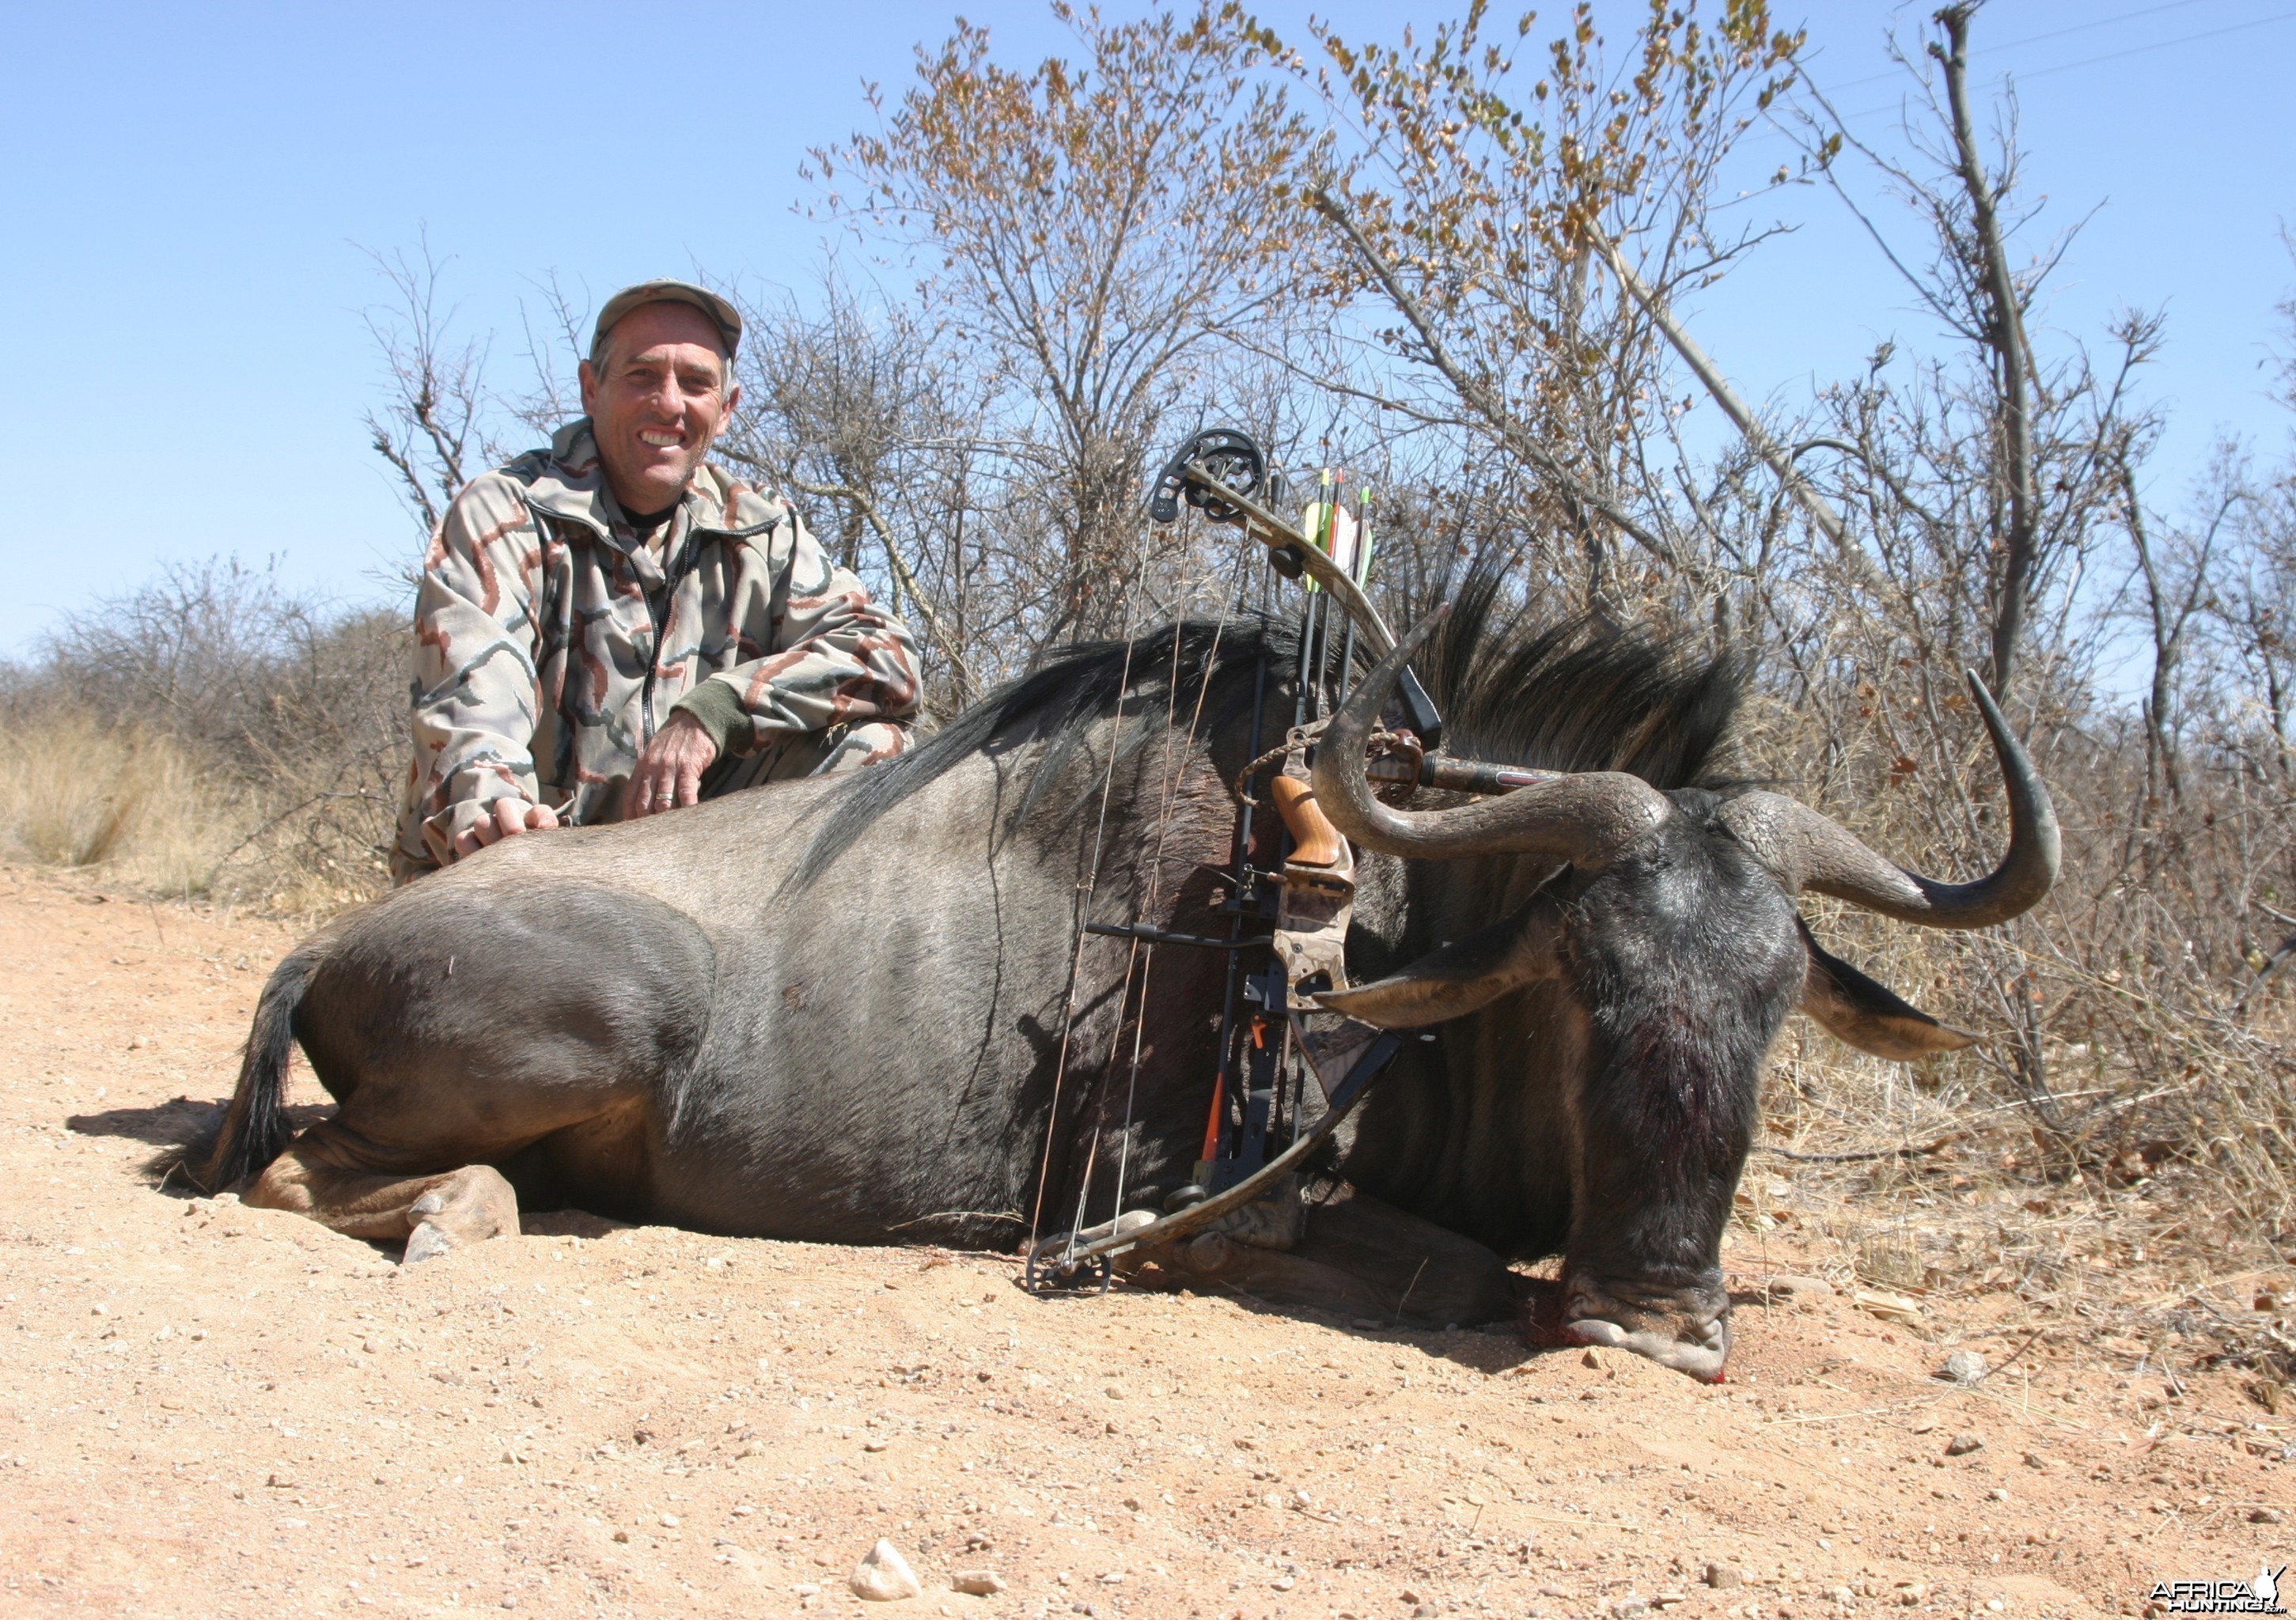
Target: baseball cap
728 319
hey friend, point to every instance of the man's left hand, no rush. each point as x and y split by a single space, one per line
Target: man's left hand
669 773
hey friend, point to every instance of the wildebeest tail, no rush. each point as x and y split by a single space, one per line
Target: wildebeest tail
255 1126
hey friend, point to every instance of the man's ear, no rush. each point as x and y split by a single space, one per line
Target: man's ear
1870 1015
588 373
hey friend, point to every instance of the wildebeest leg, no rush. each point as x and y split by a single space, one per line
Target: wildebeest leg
328 1174
461 1026
1361 1259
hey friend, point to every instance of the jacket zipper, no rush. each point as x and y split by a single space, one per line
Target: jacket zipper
670 577
669 590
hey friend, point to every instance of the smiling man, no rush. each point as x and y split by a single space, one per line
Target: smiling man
613 627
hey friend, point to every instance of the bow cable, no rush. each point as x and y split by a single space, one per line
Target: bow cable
1085 889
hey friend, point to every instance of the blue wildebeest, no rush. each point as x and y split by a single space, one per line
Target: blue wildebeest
834 1009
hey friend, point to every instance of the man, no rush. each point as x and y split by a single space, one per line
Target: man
612 627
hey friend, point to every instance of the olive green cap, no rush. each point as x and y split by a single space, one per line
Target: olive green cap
727 318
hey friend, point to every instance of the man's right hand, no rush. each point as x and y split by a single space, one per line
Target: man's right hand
511 816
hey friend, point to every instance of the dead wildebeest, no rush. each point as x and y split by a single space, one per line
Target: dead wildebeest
833 1010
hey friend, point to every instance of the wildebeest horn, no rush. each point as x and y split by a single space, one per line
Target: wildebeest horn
1807 850
1457 978
1586 819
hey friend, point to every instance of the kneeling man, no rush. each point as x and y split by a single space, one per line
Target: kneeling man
613 627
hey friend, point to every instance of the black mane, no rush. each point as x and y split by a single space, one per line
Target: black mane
1582 695
1058 705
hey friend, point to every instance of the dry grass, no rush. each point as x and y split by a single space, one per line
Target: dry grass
143 811
1924 1181
261 758
136 806
2118 1151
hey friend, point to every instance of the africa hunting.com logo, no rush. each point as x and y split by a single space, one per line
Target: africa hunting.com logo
2260 1596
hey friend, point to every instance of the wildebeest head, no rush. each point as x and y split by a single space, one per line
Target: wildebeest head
1670 928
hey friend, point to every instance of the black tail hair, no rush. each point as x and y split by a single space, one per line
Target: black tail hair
255 1126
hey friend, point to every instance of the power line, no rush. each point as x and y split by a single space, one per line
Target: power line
2236 28
2091 61
2078 28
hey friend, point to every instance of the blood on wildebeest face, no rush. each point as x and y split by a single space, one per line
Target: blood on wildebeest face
1672 932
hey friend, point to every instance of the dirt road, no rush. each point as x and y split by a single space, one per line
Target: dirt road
216 1410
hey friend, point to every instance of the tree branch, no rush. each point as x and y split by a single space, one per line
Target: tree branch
2005 334
865 504
1781 463
1494 415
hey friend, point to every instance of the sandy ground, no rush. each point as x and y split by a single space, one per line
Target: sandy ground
217 1410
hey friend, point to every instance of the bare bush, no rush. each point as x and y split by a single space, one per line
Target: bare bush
1089 227
247 741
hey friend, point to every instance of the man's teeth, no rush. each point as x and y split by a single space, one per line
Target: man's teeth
659 441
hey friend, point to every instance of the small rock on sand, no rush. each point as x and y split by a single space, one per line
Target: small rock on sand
1964 1367
977 1583
1961 1445
1721 1576
1887 1306
1794 1285
884 1577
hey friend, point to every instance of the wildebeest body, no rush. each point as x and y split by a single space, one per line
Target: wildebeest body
641 1021
839 1010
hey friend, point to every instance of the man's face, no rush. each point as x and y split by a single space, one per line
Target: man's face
657 398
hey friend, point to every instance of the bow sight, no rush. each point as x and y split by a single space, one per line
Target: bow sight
1223 474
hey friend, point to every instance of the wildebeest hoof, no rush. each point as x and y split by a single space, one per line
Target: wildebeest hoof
1208 1254
1276 1220
1682 1324
428 1204
426 1241
1701 1357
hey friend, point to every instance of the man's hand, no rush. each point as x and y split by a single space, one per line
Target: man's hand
669 772
510 815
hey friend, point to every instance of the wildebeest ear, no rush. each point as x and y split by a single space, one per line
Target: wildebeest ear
1870 1015
1458 978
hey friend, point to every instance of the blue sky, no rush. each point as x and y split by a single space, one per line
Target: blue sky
187 192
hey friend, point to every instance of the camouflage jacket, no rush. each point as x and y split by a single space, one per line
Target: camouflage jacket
541 668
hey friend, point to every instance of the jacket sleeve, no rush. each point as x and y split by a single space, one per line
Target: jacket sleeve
475 690
833 656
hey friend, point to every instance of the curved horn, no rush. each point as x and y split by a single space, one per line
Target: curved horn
1454 979
1586 819
1807 850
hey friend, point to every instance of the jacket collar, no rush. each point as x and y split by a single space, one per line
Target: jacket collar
569 480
